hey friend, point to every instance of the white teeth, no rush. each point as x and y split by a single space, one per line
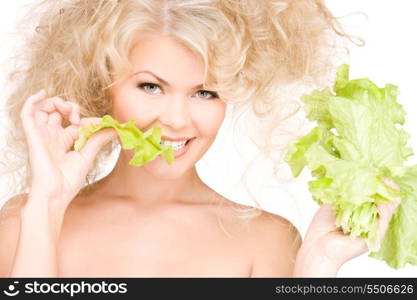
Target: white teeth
174 145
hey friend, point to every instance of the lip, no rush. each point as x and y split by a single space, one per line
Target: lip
176 139
180 152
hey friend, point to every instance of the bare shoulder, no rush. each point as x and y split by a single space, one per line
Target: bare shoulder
276 242
9 231
272 240
10 213
11 208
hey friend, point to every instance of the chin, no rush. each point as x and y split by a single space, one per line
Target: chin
160 169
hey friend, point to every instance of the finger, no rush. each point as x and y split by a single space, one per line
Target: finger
325 218
323 222
55 119
75 113
55 104
89 121
46 109
96 142
385 212
356 245
73 131
390 183
74 128
28 110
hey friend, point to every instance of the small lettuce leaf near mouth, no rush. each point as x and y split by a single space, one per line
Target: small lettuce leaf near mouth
146 145
356 144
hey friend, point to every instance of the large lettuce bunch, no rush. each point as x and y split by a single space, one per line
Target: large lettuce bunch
356 144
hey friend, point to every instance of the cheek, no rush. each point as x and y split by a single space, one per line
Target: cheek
210 119
128 106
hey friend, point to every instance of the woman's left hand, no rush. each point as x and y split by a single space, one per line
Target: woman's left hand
326 248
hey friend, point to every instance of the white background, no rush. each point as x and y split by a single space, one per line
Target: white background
388 57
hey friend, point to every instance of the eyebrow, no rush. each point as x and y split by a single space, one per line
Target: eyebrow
199 86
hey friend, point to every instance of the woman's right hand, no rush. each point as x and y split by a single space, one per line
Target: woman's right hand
57 171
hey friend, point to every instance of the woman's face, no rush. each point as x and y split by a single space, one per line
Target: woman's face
165 90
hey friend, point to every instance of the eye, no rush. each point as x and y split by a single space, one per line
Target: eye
210 94
149 87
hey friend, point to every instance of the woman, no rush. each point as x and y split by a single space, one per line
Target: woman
176 65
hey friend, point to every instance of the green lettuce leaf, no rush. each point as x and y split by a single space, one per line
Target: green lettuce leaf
400 242
356 143
146 145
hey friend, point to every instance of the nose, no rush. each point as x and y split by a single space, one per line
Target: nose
176 113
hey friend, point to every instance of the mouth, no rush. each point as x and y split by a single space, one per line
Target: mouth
179 147
176 143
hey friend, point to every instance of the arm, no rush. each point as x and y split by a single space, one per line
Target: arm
9 232
36 250
58 173
28 247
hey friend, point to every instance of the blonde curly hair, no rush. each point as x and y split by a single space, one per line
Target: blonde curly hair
252 50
